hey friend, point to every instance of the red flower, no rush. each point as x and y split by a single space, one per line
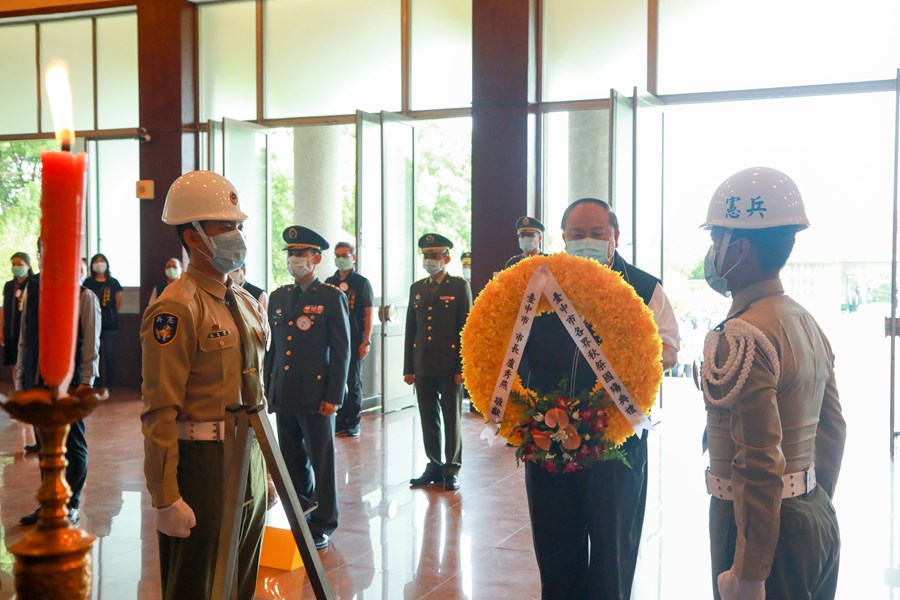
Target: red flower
562 401
599 425
550 467
583 452
572 467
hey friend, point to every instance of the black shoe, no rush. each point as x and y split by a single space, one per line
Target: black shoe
74 516
321 540
30 518
451 483
33 448
428 477
352 431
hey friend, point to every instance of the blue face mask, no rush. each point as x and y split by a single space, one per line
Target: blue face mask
19 272
712 265
599 250
229 249
433 265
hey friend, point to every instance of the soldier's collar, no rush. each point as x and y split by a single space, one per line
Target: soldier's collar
753 292
207 283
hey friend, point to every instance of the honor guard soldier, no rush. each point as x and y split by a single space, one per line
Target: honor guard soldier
438 307
203 342
360 299
775 429
531 234
305 375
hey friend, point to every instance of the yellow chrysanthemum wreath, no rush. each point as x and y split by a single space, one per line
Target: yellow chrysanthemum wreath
631 340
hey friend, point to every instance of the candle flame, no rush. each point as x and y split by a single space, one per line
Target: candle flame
60 95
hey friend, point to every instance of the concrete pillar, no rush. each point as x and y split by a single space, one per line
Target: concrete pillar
318 198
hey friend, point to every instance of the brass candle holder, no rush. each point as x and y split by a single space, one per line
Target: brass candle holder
54 560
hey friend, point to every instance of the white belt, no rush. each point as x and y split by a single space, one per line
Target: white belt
795 484
207 431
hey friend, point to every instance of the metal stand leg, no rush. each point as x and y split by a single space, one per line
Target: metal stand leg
238 421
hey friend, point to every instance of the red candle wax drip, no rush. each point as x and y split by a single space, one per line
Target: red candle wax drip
62 199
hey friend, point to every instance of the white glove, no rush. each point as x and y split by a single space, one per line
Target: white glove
176 520
732 588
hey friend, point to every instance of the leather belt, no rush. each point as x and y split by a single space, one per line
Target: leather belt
206 431
795 484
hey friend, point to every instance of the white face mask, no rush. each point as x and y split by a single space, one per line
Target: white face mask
99 267
173 272
433 265
299 266
712 266
467 272
528 243
600 250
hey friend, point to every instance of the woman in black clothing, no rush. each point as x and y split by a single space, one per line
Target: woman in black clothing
109 292
11 312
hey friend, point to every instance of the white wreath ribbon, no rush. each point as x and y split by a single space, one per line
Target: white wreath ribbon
543 282
743 340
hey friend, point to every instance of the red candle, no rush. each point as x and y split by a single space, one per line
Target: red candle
62 199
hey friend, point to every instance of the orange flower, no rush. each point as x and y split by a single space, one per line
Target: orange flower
556 416
541 439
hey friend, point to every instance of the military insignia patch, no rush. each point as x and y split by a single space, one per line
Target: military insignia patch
292 233
165 328
344 287
233 197
304 323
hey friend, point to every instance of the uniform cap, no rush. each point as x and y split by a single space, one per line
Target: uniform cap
434 242
529 224
297 236
466 258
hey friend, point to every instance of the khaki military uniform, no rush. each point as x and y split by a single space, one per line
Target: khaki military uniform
192 368
777 426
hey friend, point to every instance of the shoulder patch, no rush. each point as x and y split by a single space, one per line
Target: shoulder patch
334 287
165 328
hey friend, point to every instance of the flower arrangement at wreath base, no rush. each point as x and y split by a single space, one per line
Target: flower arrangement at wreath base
564 434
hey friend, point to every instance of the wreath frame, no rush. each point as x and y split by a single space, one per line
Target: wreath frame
617 314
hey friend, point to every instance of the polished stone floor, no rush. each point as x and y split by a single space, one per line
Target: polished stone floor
394 542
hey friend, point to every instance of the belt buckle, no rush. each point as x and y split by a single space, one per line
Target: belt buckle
808 479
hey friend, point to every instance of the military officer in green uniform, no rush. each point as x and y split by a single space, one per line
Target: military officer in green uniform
202 344
305 375
465 259
438 307
531 234
776 433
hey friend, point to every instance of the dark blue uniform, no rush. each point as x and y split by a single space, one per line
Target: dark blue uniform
434 321
306 365
359 297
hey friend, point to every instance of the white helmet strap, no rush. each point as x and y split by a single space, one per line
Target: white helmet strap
210 245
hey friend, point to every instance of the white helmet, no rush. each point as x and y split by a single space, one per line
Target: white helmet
757 198
201 196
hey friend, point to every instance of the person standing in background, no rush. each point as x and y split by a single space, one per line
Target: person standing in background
11 311
239 277
531 233
173 272
359 301
109 292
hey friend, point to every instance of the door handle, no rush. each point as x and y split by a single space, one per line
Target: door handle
387 313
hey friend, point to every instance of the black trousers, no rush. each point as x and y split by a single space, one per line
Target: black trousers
440 400
307 445
348 413
77 457
586 526
108 357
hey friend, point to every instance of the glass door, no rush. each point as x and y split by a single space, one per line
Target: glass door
398 253
369 241
245 163
622 168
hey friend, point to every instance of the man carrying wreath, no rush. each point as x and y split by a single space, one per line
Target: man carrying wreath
586 525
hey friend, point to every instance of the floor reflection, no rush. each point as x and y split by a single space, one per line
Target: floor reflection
396 542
